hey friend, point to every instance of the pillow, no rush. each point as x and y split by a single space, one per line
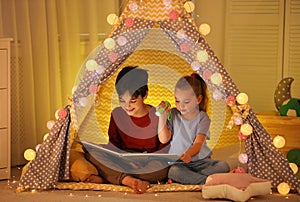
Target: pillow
235 186
80 168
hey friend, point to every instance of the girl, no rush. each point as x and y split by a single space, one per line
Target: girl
188 130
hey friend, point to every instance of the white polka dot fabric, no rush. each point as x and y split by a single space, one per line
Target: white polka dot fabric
52 161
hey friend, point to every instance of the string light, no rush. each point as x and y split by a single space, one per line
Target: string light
29 154
246 129
112 19
279 141
283 188
242 98
189 6
204 29
294 167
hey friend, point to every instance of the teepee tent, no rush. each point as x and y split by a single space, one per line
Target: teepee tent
161 37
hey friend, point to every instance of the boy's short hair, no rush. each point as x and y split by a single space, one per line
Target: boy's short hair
133 79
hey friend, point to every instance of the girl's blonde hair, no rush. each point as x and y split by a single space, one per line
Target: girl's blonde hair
197 84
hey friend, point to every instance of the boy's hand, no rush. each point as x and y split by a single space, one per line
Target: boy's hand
186 157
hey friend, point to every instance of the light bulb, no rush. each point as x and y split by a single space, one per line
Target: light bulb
189 6
204 29
294 167
279 141
29 154
283 188
246 129
112 19
242 98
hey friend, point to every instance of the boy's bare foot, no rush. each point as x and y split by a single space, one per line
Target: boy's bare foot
95 179
138 186
170 181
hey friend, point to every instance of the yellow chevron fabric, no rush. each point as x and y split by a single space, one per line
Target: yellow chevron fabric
154 10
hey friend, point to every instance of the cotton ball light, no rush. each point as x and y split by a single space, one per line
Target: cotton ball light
100 69
217 95
283 188
216 78
61 114
202 56
242 98
29 154
112 19
45 136
109 43
294 167
91 65
243 158
189 6
278 141
246 129
167 2
181 34
204 29
50 124
83 101
238 120
195 65
37 147
133 6
122 40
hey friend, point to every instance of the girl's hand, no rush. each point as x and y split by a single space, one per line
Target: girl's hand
186 157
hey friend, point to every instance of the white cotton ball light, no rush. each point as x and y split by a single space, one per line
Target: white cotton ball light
243 158
283 188
50 124
204 29
279 141
83 101
29 154
133 6
246 129
294 167
37 147
109 43
112 19
242 98
45 136
217 95
91 65
202 56
216 78
122 40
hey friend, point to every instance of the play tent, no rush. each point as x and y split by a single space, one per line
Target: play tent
161 37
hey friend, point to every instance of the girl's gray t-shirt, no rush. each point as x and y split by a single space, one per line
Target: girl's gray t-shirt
185 131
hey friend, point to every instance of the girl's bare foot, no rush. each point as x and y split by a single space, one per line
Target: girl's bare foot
95 179
138 186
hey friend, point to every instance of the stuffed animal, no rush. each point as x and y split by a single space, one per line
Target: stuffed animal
285 104
290 107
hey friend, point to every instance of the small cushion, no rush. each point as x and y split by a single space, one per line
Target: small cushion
80 168
235 186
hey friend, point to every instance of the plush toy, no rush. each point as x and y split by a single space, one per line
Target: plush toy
290 107
160 110
285 104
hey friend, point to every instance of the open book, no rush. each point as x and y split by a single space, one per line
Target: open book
168 158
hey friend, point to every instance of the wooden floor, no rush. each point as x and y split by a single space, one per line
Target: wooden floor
8 194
